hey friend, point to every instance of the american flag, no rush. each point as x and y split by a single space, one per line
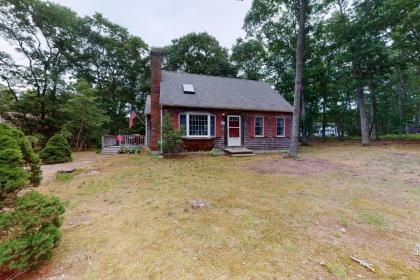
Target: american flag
131 121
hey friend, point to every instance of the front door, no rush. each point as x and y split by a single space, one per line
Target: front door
234 131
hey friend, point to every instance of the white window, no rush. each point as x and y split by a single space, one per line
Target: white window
280 127
197 124
259 127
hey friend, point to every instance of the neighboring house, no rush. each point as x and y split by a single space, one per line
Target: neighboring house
216 112
330 130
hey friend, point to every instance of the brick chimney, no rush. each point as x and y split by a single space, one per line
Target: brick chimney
155 65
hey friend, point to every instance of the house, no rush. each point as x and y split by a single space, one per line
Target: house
331 129
216 112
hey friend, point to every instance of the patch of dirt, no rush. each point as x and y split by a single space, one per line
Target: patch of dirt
49 171
86 158
290 166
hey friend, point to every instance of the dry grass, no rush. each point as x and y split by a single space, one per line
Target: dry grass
130 219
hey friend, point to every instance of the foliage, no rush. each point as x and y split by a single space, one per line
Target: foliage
85 117
116 64
46 37
38 219
215 152
57 150
54 47
401 137
363 47
198 53
29 223
172 138
358 54
129 150
19 166
249 57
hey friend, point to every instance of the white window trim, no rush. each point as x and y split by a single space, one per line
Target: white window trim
255 126
187 132
284 127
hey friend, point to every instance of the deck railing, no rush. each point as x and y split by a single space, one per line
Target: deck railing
133 140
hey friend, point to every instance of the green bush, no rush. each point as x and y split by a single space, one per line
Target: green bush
57 150
172 138
215 152
38 219
19 166
129 150
29 223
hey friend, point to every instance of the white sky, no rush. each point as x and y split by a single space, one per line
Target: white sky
157 22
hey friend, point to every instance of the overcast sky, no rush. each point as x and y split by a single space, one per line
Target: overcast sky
157 22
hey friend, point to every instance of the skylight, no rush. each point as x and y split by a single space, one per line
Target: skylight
188 88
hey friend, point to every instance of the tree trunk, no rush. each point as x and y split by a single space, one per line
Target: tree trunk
374 112
364 126
298 78
400 105
78 137
323 119
340 132
305 140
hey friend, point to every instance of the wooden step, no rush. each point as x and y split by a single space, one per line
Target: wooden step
242 155
238 151
110 150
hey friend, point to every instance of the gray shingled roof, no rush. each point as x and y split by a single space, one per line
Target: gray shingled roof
220 92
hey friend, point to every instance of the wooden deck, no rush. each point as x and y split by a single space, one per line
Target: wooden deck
113 144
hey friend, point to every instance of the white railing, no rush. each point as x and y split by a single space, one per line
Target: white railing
133 140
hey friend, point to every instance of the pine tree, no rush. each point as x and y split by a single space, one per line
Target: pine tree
57 150
29 223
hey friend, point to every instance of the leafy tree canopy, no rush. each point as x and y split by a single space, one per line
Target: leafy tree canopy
198 53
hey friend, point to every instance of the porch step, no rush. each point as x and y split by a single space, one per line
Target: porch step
240 151
110 150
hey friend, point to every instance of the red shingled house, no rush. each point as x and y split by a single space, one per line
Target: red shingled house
216 112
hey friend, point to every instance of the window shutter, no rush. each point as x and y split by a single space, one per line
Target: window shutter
266 127
251 125
175 122
218 125
274 127
287 125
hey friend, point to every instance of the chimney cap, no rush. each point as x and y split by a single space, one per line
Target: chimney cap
156 51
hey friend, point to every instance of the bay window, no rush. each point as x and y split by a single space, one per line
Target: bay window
197 124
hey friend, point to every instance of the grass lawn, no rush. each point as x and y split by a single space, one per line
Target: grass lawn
129 216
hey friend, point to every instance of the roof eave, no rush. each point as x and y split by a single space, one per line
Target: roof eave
229 108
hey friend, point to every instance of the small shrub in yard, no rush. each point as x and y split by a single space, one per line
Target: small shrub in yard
172 138
129 150
215 152
29 223
57 150
33 231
